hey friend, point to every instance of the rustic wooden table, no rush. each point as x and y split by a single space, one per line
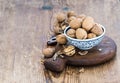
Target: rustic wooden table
25 27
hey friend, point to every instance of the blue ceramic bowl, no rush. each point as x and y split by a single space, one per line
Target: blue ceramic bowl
84 44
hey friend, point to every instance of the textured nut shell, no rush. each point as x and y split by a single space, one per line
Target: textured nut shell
75 24
91 35
69 50
71 18
71 33
48 52
57 30
82 16
88 23
61 39
81 33
97 29
71 13
60 17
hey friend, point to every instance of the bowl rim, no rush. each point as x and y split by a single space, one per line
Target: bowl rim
68 27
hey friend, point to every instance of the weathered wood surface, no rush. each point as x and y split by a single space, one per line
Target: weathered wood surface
25 27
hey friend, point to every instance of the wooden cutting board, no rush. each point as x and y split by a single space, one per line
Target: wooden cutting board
102 53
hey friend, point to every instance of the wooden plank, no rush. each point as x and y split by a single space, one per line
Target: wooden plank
25 27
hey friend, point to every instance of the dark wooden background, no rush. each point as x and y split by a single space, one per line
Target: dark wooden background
25 27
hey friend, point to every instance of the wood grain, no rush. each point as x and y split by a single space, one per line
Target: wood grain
25 27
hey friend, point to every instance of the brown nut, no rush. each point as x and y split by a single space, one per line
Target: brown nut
91 35
97 29
82 16
88 23
48 52
81 33
71 18
71 33
69 50
61 39
75 24
57 30
60 17
71 13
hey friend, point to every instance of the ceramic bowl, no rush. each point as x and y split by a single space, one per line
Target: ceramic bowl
84 44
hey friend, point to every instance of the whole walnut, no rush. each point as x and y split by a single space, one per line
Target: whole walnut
71 33
81 33
57 30
61 39
97 29
75 24
91 35
48 52
71 18
60 17
88 23
82 16
71 13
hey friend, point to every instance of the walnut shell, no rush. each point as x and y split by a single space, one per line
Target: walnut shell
48 52
81 33
71 18
97 29
91 35
88 23
57 30
71 13
69 50
75 24
82 16
60 17
71 33
61 39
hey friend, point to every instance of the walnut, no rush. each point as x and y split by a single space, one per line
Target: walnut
71 33
60 17
91 35
97 29
69 50
57 30
88 23
71 13
81 33
61 39
71 18
75 24
48 52
82 16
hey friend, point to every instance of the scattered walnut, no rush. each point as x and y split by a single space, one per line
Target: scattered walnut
91 35
71 33
82 52
71 13
82 16
61 39
88 23
81 33
69 50
60 17
48 52
75 24
58 30
97 29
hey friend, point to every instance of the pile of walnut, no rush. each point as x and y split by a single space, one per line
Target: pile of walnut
81 27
